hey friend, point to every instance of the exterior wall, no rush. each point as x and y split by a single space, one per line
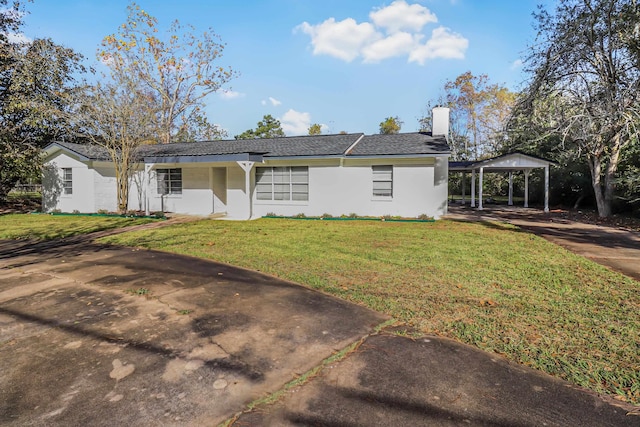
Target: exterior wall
82 177
196 197
441 184
219 188
419 187
237 200
336 187
105 191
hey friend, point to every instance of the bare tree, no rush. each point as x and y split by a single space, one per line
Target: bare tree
119 116
180 70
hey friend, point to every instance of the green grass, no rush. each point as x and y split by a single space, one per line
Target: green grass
47 227
486 284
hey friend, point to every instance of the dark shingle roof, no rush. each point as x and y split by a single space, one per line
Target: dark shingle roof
90 151
320 145
292 146
401 143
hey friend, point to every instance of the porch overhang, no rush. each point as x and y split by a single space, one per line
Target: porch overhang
212 158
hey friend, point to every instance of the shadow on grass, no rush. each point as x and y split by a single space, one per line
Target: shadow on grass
545 226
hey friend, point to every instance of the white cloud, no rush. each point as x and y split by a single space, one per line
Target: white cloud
295 123
271 100
343 39
516 64
442 44
230 94
397 44
400 16
395 30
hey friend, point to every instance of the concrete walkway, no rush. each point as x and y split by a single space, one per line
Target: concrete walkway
612 247
99 335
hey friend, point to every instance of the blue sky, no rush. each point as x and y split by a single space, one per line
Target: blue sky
344 64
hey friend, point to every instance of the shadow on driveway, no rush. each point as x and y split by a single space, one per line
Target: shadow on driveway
99 335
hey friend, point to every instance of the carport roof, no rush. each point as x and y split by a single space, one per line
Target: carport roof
510 162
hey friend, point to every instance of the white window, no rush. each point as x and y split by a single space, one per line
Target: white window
67 181
169 181
382 181
282 183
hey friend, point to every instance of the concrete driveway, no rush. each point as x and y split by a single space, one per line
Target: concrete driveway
103 336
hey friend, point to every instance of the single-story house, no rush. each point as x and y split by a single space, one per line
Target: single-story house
368 175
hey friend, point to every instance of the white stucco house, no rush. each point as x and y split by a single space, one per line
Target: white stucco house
369 175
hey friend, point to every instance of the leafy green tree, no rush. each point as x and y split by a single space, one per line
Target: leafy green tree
390 125
479 112
36 84
268 127
180 69
315 129
585 85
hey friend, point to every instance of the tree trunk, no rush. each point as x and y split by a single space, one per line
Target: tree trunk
604 191
610 173
595 166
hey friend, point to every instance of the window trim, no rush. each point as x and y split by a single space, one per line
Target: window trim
382 174
67 181
168 180
266 184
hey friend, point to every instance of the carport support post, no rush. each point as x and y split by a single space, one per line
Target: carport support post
463 187
546 188
473 188
526 187
480 189
510 189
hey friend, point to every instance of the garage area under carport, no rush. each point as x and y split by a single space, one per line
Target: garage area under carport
507 163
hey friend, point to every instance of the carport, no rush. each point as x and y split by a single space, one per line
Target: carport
512 162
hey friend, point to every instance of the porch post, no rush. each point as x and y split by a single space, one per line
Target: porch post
510 189
463 188
146 177
546 188
526 187
246 167
480 189
473 188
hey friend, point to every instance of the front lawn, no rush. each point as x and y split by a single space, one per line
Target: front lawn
485 284
47 227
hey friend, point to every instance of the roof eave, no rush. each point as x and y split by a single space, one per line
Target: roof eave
212 158
54 146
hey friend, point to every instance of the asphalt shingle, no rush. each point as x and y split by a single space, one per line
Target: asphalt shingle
401 143
293 146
